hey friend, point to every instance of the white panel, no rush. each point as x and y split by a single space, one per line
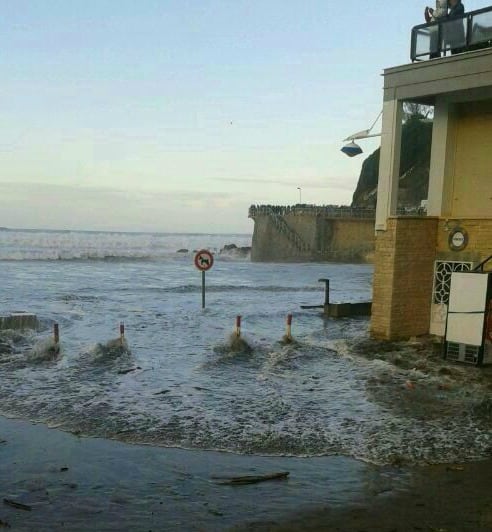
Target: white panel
468 292
465 328
439 312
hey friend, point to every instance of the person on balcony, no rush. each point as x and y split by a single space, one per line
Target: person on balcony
433 15
455 30
441 10
456 8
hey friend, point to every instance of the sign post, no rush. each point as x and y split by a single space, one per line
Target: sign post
203 289
204 260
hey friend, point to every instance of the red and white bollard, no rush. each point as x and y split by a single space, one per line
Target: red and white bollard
288 332
238 326
56 333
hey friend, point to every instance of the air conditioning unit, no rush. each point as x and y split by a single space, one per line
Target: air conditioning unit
469 318
469 354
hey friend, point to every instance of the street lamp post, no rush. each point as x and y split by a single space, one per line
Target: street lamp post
300 194
352 148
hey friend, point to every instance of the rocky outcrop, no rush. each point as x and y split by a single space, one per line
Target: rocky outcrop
234 251
414 168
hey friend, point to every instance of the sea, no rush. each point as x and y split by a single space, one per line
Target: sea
179 379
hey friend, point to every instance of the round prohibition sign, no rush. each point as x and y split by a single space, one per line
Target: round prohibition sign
204 260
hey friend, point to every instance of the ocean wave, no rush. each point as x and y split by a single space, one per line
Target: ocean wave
85 246
191 288
116 349
433 425
335 392
45 350
76 256
130 256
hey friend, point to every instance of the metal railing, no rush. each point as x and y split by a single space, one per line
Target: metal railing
472 31
331 211
284 228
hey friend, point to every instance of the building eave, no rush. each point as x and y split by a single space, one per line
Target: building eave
424 80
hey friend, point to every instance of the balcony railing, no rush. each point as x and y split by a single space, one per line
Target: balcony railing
471 31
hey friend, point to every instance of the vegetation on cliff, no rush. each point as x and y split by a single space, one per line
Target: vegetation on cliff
414 166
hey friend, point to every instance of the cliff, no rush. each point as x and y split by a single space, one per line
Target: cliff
414 168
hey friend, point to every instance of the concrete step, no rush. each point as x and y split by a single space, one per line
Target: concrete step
18 321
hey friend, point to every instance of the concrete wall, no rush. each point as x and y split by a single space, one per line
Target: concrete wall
472 178
404 265
479 240
327 239
269 245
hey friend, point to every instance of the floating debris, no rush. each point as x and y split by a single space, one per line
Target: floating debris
128 370
252 479
18 505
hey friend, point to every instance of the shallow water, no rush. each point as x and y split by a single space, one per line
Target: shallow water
94 484
179 384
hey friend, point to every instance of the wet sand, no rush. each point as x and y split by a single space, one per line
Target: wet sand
73 483
444 498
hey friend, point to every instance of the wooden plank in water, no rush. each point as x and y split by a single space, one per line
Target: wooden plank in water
252 479
18 505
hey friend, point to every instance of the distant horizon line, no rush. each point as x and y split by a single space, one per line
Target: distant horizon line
41 230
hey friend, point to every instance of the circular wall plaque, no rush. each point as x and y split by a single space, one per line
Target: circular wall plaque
458 239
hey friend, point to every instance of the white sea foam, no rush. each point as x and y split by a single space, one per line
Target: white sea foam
112 350
44 350
331 393
81 245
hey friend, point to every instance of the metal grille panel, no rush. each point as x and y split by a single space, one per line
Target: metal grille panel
453 351
442 278
471 354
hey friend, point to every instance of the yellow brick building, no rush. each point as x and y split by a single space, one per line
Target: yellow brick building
415 256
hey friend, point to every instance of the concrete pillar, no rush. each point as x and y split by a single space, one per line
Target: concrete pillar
403 277
389 161
442 151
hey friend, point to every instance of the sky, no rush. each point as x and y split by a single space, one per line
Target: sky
177 115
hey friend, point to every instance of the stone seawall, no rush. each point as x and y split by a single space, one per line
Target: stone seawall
292 234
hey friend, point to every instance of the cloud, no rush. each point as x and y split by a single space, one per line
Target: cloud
52 206
49 191
328 183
